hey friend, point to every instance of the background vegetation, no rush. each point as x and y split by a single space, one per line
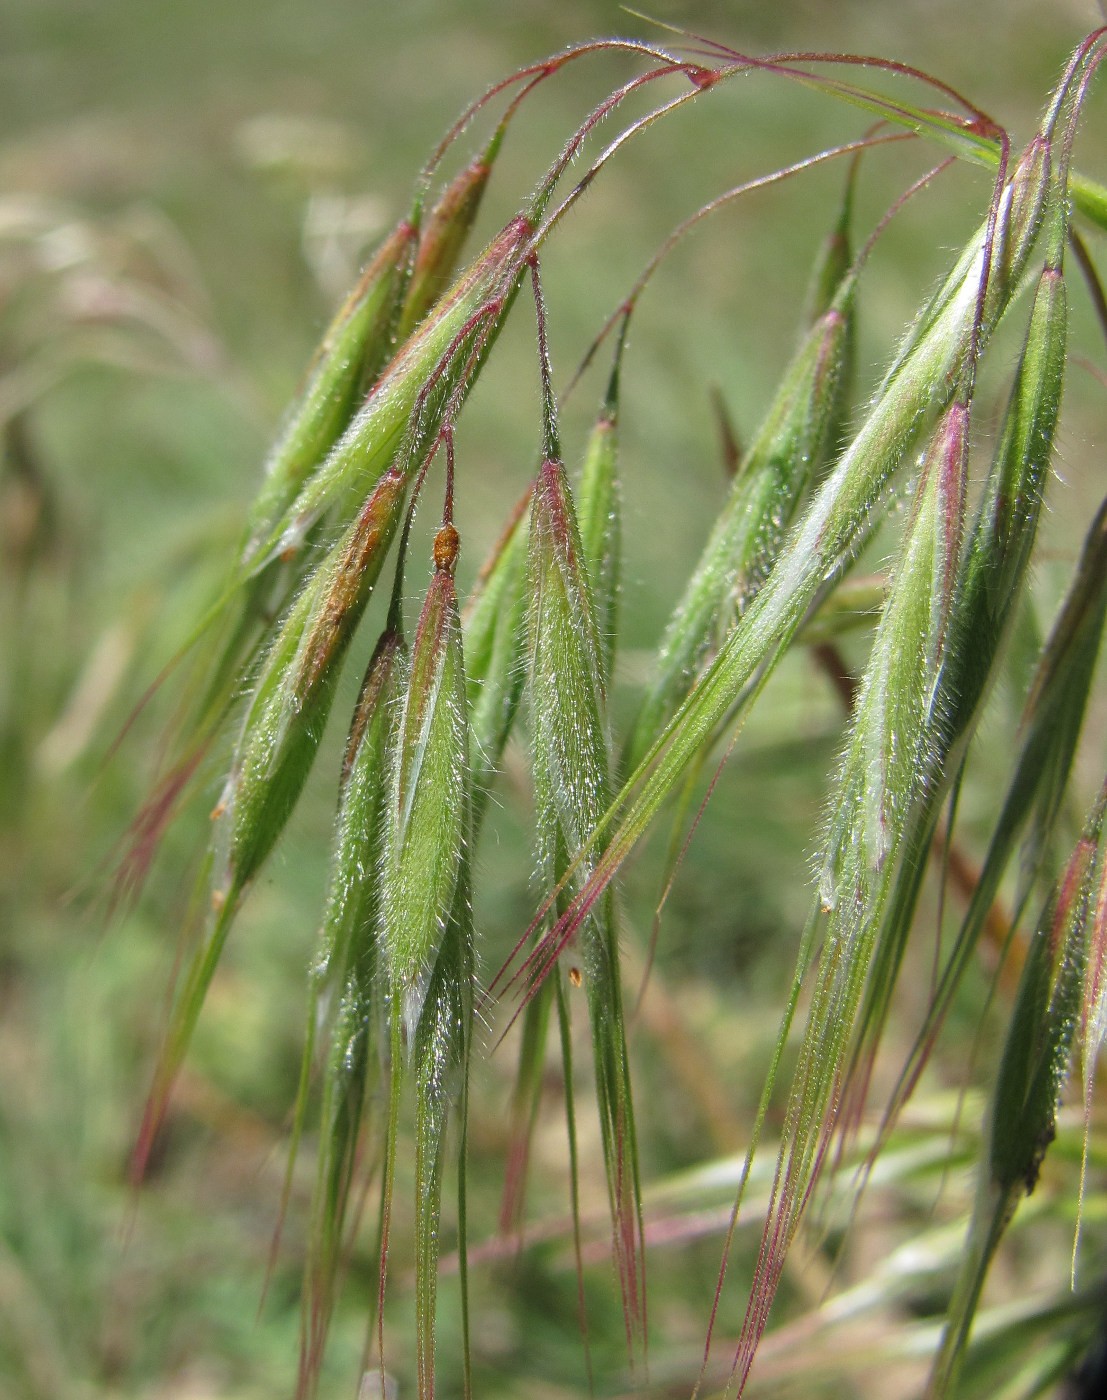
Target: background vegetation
185 191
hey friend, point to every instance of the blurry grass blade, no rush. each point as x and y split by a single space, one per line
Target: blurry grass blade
1022 1118
443 237
571 793
599 511
494 628
355 348
782 460
429 801
430 373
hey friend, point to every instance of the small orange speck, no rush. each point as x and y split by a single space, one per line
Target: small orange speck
445 549
218 899
218 810
575 977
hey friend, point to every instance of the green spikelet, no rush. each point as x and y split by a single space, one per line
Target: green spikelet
989 586
429 803
440 1067
599 512
447 227
571 793
345 998
402 416
355 348
1021 1121
426 918
494 627
782 461
883 776
284 722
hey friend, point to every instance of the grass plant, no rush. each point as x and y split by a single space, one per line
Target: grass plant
506 708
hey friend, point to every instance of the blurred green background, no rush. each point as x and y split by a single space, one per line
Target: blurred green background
186 188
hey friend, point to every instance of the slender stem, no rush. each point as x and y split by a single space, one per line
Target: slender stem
855 148
551 446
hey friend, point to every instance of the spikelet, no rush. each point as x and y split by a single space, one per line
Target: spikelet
440 1068
784 458
599 513
401 418
567 695
443 237
883 776
887 762
989 585
494 628
345 999
353 351
1021 1119
428 809
426 916
284 722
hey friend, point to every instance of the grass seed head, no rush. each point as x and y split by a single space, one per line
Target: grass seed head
999 551
887 762
494 628
599 512
291 700
355 348
345 987
440 1064
783 459
429 800
568 696
571 793
1043 1022
442 239
428 376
